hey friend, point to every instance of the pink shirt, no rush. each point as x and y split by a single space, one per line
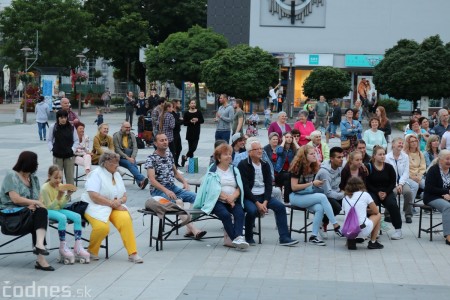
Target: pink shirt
274 127
305 130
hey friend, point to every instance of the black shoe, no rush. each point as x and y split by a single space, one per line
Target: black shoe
447 242
359 240
183 160
37 266
40 251
374 245
338 232
408 220
351 244
143 183
387 219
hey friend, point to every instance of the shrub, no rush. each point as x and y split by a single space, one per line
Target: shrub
389 105
117 101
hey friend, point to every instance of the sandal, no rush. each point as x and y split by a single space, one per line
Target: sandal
189 235
200 234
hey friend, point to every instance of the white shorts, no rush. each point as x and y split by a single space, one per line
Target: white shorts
366 231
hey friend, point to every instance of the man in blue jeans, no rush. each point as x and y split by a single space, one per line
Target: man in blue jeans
224 119
257 184
125 145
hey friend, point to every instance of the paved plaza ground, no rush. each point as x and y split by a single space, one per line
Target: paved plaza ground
411 268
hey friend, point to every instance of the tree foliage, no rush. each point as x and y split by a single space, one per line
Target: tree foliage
327 81
410 70
180 56
62 27
242 71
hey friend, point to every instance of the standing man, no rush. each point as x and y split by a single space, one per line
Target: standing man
106 97
57 103
224 118
335 120
257 183
129 108
443 125
153 100
141 105
273 98
322 111
238 119
72 116
125 145
176 130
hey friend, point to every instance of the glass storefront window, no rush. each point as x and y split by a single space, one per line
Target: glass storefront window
300 77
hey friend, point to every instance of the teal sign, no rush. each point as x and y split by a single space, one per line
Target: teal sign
313 59
363 60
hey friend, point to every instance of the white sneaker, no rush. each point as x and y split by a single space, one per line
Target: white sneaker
397 235
288 211
135 258
323 234
240 243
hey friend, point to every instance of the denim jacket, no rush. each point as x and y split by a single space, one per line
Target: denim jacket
281 157
347 131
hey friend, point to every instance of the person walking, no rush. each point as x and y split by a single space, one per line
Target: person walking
42 112
192 119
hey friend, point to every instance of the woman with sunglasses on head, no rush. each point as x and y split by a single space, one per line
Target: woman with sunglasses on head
417 164
432 149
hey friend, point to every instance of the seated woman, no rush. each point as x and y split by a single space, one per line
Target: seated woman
420 133
20 190
437 190
285 154
82 153
220 194
271 148
55 200
353 168
102 142
306 192
417 164
106 195
431 150
380 183
357 197
374 136
322 149
237 144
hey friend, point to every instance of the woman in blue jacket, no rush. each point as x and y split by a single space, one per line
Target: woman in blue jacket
285 154
350 129
221 193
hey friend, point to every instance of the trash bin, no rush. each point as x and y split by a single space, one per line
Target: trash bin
18 116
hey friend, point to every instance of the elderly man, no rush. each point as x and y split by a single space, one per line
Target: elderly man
443 125
73 117
125 145
257 184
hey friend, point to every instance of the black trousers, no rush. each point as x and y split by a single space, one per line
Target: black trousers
192 147
336 205
40 221
390 203
177 147
129 111
283 179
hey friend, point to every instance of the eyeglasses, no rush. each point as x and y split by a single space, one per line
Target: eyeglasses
413 141
257 149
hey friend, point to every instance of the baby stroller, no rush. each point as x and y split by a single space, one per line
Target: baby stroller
252 129
145 129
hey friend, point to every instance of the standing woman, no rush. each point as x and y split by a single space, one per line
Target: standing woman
380 183
42 112
285 154
280 126
349 132
353 168
102 142
193 118
82 152
306 191
20 190
437 189
305 127
431 150
373 136
385 124
167 124
62 141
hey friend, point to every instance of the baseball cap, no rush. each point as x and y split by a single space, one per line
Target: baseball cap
235 137
417 111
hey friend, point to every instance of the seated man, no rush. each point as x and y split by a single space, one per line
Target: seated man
257 184
330 172
162 172
125 145
361 146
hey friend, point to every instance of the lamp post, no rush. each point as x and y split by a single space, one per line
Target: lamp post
26 51
80 57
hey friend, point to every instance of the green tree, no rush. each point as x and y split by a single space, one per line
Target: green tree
410 70
180 56
242 71
327 81
62 27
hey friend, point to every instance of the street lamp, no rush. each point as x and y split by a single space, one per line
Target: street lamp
80 57
26 51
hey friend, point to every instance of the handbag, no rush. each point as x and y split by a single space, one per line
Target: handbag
310 190
16 222
192 165
345 144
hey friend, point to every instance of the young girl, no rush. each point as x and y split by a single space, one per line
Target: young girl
55 199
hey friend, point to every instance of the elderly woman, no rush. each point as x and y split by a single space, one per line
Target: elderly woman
280 126
374 136
102 142
437 190
305 127
221 193
432 149
271 147
349 132
106 195
20 191
82 153
322 149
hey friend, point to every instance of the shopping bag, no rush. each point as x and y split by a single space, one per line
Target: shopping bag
192 165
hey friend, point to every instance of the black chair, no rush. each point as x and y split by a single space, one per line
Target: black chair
304 230
430 230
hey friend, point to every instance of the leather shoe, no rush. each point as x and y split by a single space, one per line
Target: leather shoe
408 220
39 251
144 183
37 266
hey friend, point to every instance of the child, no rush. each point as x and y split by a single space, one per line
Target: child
267 113
55 200
99 119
